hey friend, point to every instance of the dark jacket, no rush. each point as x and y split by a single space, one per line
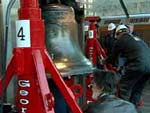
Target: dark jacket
107 43
134 50
110 104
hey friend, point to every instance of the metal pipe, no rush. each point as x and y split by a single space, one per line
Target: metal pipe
4 52
124 9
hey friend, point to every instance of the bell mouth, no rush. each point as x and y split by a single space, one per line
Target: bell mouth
67 69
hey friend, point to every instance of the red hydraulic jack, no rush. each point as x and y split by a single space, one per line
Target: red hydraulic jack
91 51
29 63
94 51
93 48
92 42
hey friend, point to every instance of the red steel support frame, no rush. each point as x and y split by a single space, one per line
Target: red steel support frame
94 51
91 51
93 48
30 64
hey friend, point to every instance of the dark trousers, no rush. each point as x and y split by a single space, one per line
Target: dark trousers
132 85
60 103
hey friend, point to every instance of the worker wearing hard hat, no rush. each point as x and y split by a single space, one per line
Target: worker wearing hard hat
137 65
111 30
111 26
109 39
121 29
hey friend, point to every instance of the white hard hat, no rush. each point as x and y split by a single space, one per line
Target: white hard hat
120 27
111 26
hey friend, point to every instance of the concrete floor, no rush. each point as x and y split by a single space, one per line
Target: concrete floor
146 99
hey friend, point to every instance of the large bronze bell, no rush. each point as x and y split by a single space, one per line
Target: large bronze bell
62 40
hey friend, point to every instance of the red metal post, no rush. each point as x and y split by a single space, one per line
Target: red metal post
90 45
93 47
93 50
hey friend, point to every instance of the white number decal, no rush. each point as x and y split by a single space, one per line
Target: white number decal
20 34
23 33
91 34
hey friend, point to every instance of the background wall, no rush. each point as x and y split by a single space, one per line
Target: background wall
113 7
11 39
